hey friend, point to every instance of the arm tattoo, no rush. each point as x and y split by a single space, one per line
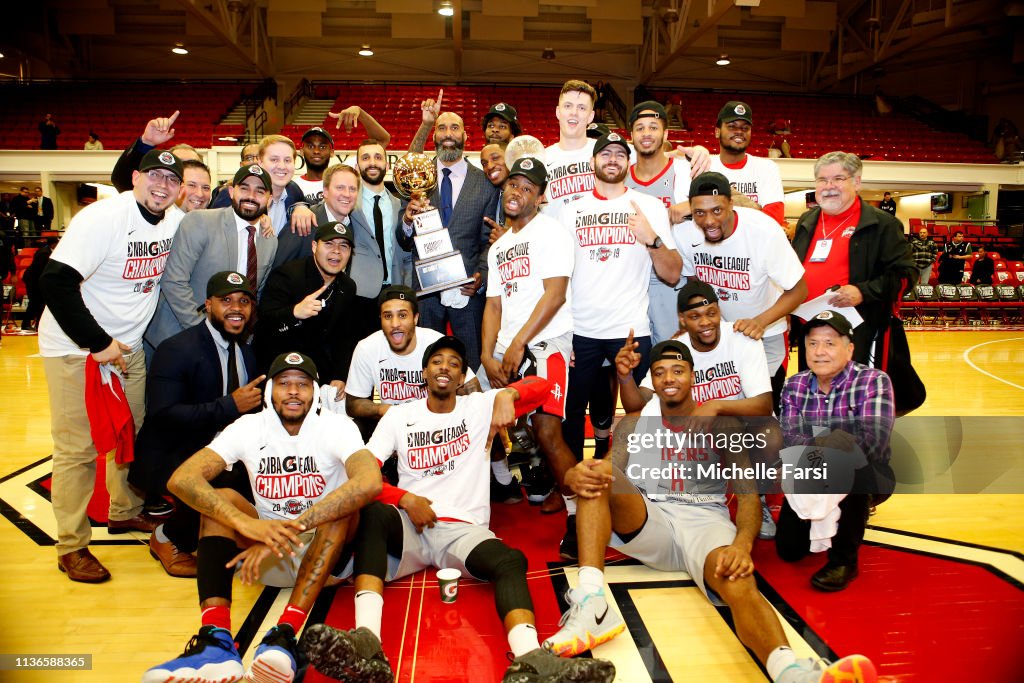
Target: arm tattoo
420 140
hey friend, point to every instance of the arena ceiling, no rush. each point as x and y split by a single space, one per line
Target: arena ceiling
801 45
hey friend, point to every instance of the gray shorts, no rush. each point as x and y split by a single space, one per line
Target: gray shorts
775 351
281 572
445 546
679 537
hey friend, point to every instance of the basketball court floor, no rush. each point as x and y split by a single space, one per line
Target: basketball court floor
939 597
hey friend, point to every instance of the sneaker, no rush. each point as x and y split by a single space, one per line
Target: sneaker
589 622
157 506
274 661
852 669
350 656
541 666
210 657
767 531
569 549
509 494
538 483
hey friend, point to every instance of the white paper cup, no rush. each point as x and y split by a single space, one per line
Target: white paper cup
448 582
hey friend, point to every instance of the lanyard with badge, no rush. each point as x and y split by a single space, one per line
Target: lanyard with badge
823 247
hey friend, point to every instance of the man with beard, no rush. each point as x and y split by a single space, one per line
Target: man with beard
667 179
754 177
311 475
200 381
195 188
464 197
501 124
101 286
307 304
210 242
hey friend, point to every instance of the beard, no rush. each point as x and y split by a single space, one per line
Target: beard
611 179
448 154
248 213
218 324
371 175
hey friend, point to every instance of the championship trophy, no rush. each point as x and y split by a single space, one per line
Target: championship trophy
523 146
439 266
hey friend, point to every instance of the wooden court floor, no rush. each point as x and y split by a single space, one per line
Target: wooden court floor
142 617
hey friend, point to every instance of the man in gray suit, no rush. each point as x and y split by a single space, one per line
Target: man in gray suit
464 196
211 241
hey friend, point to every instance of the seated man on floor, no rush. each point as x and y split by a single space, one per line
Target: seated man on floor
311 474
441 519
676 524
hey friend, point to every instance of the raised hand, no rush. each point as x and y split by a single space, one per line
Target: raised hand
432 108
248 397
160 130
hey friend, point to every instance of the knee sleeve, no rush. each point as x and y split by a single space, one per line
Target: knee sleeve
379 535
505 567
213 578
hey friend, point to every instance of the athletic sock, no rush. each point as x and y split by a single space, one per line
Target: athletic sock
779 659
570 504
294 617
522 639
502 473
218 616
591 580
161 537
369 611
600 446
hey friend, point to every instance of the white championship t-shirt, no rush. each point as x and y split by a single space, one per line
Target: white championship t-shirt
612 269
749 270
518 263
570 174
121 257
758 179
670 186
289 474
312 189
397 379
442 456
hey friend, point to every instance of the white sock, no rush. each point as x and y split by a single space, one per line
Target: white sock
369 611
522 639
502 473
160 535
591 580
570 504
780 659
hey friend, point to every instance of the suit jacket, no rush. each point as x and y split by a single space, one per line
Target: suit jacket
469 233
328 338
47 216
206 243
185 404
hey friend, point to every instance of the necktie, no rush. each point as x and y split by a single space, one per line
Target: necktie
233 382
446 196
251 269
378 231
500 216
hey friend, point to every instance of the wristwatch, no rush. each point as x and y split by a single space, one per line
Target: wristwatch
656 244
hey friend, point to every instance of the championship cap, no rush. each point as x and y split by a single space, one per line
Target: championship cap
508 113
596 130
694 288
532 169
735 111
293 360
317 130
671 349
400 292
228 282
837 321
654 111
161 158
446 342
610 139
333 230
710 184
254 170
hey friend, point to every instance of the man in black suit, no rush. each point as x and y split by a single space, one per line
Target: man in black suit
306 305
464 197
42 207
201 380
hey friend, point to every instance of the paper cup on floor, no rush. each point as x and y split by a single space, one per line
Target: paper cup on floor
448 582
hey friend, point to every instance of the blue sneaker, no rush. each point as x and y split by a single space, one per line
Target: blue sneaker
210 657
274 661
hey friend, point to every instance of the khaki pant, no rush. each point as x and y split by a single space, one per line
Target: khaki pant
74 454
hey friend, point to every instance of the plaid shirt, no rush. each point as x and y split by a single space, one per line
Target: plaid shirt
860 402
923 251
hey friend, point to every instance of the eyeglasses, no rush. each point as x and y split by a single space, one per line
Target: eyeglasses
336 245
250 157
834 180
156 176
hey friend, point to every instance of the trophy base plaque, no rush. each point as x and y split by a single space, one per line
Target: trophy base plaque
439 273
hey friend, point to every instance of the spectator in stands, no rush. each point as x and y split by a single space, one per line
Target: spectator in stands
48 132
23 211
93 144
780 139
158 131
1006 141
195 190
954 255
36 298
501 124
923 250
984 268
601 102
7 265
674 111
42 208
848 243
888 204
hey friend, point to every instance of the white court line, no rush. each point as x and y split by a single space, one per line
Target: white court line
967 359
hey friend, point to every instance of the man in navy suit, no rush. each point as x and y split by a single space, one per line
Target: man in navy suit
201 380
464 196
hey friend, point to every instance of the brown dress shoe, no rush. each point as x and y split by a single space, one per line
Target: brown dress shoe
139 522
553 504
81 565
175 562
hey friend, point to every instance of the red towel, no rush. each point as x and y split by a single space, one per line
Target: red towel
110 417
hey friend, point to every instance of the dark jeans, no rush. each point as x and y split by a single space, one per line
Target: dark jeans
466 322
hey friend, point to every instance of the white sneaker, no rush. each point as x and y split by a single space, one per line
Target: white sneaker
852 669
767 531
589 622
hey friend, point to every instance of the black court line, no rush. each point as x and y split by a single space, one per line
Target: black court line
249 630
998 573
24 469
43 492
940 539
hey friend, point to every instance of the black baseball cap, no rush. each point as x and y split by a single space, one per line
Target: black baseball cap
596 130
161 158
610 138
254 170
446 342
694 288
671 349
400 292
710 184
228 282
532 169
505 111
317 130
654 109
293 360
333 230
735 111
837 321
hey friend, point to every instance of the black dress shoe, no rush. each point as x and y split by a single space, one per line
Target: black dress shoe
834 577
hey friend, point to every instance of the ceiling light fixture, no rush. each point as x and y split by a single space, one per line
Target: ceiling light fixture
446 9
723 60
179 49
548 53
1 55
366 51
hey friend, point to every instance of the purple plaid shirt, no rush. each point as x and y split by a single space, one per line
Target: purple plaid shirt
860 402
